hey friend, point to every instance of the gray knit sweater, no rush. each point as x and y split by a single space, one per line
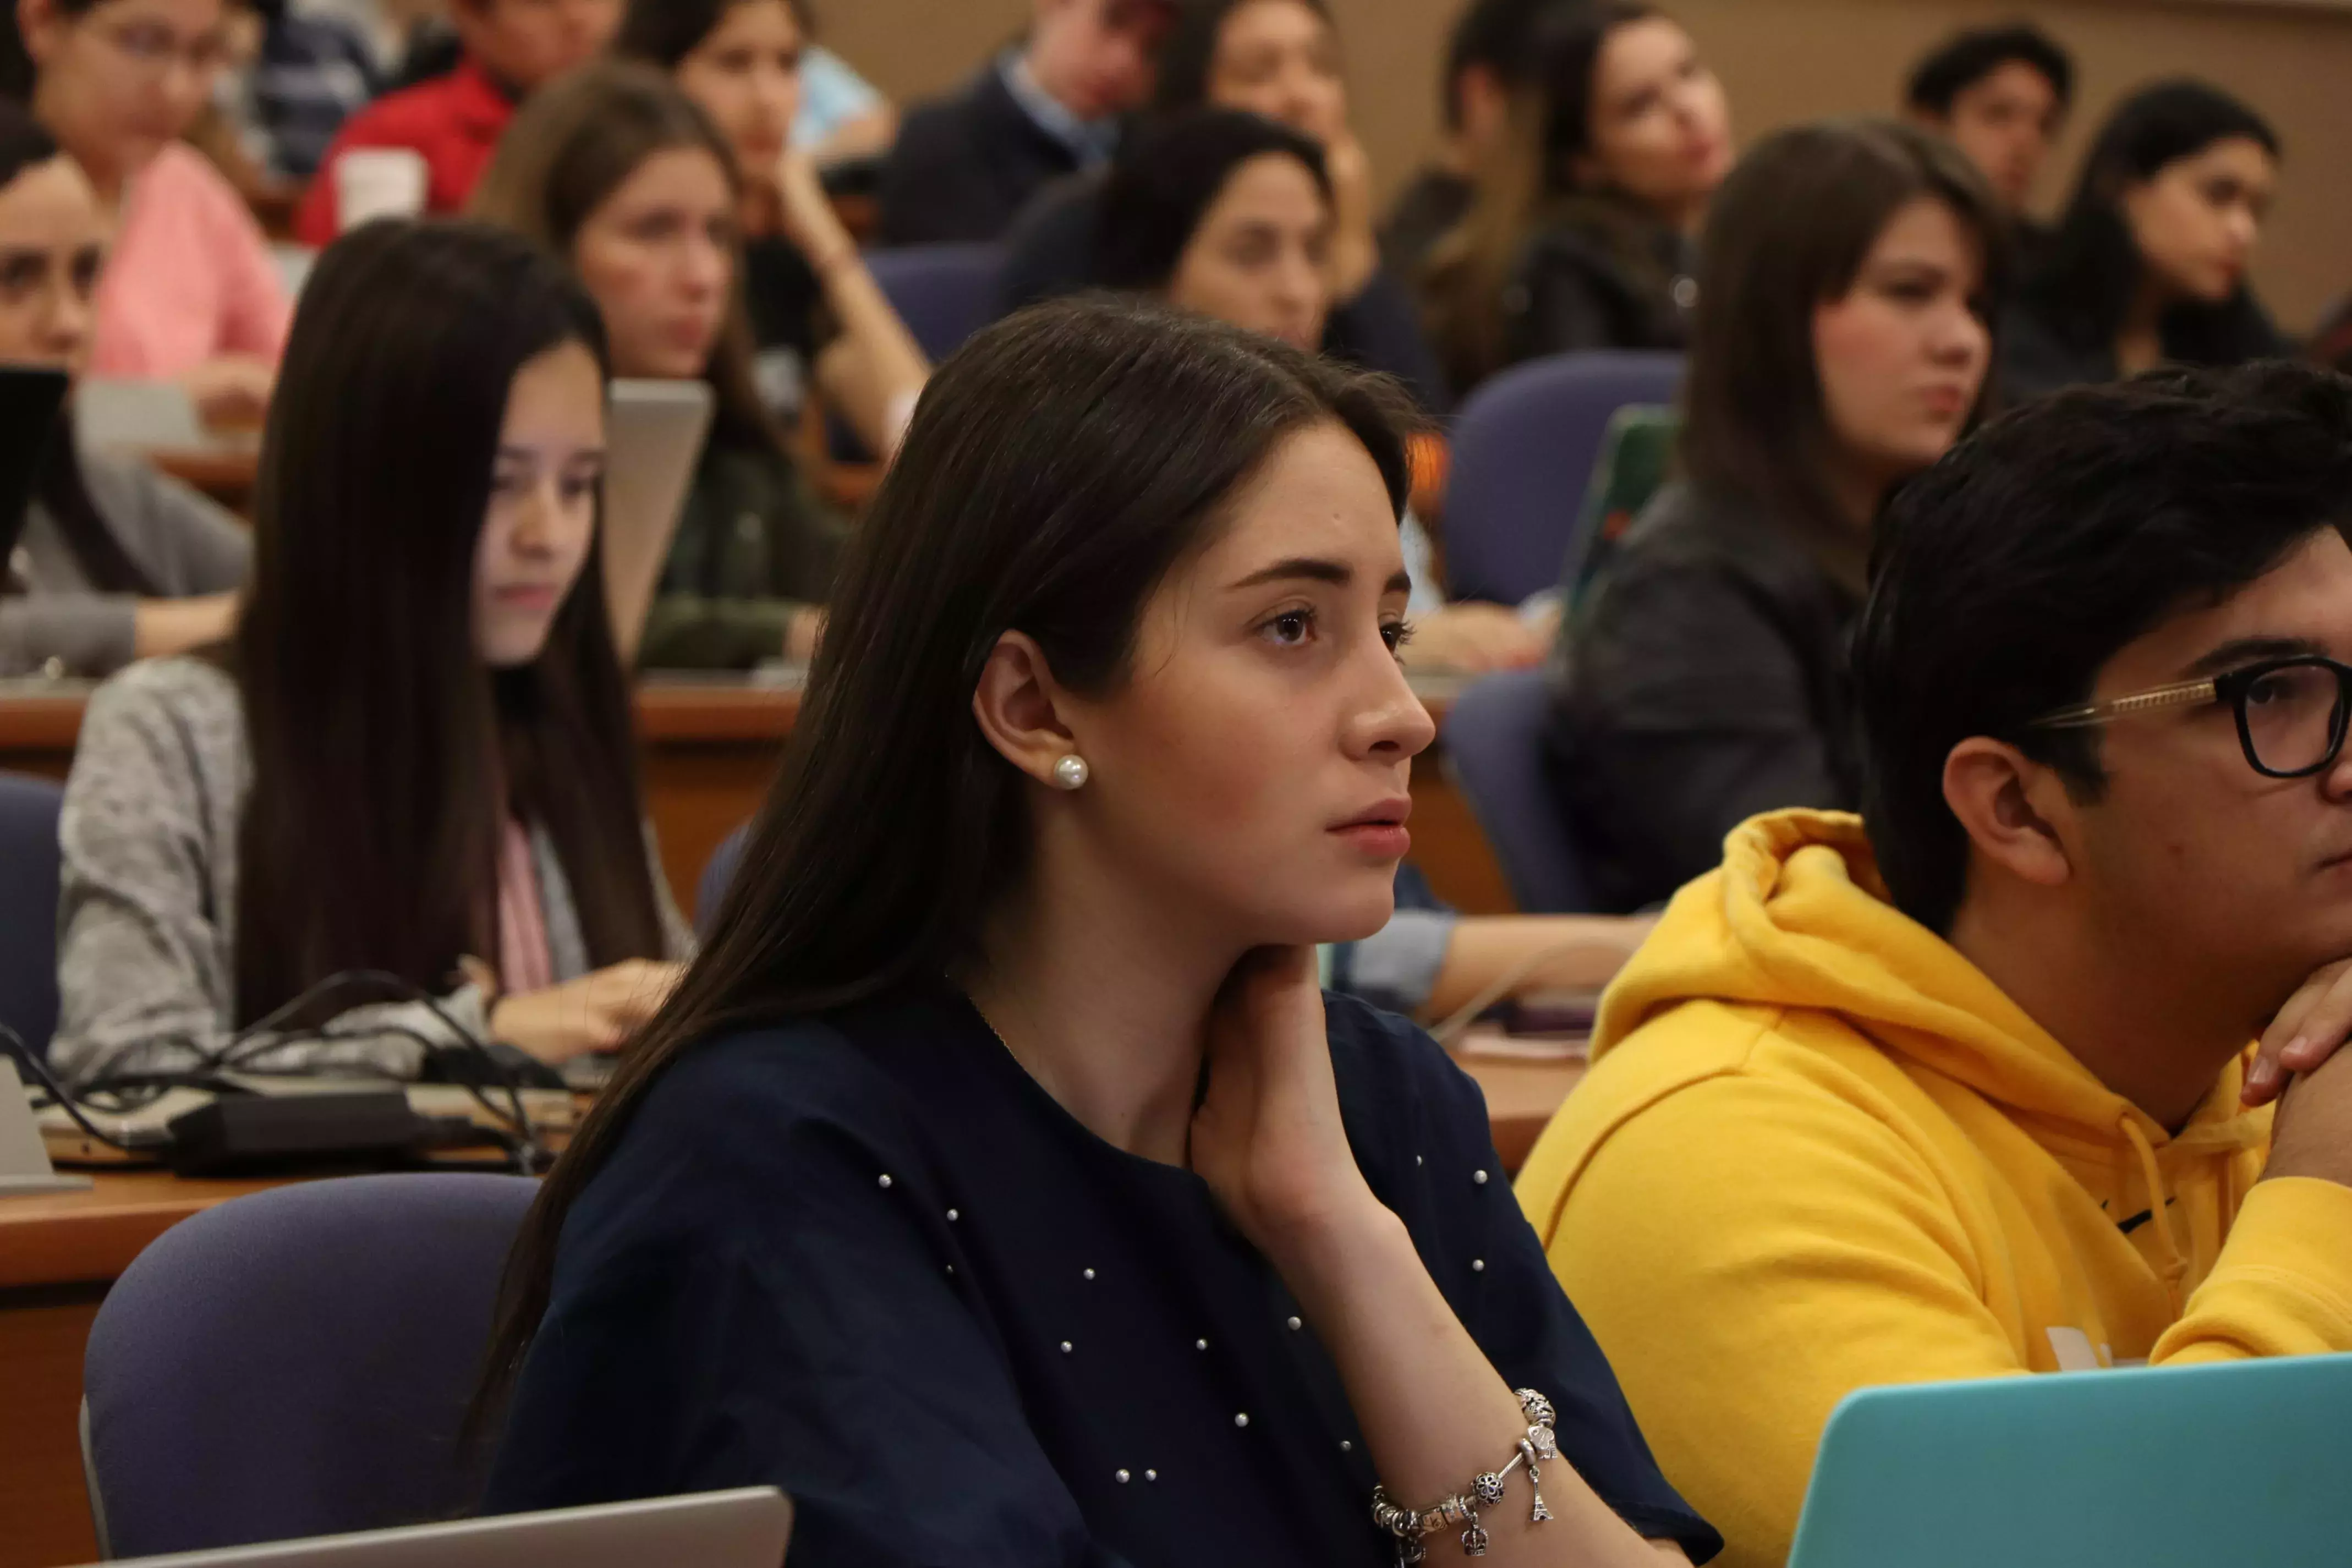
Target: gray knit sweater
147 918
57 625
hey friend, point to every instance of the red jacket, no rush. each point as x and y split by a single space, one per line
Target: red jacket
454 120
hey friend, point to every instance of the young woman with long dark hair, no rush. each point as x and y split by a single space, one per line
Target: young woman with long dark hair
415 754
116 562
2148 264
621 176
815 310
1581 231
1848 283
998 1184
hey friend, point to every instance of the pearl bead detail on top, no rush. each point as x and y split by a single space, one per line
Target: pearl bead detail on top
886 1181
1479 1177
1242 1419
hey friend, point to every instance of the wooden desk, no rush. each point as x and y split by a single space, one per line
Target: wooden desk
60 1253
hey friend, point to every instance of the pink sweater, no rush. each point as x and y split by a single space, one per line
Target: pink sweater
191 277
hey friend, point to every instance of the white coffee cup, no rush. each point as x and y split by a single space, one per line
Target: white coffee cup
379 181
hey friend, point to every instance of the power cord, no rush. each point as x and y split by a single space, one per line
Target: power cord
257 1040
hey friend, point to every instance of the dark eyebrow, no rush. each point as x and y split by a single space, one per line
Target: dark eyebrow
2248 650
1311 568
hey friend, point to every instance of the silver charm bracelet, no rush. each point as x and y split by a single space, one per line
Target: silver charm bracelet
1412 1526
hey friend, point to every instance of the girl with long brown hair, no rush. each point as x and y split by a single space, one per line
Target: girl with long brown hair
415 754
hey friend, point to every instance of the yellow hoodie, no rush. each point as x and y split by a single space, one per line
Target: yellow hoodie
1819 1150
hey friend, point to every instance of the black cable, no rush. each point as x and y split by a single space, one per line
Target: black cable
16 1048
261 1036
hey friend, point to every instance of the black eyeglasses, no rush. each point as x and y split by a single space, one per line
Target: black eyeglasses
2291 711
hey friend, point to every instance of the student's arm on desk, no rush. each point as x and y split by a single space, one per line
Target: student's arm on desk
145 976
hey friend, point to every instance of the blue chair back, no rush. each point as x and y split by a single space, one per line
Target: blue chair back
297 1363
717 872
28 906
1495 748
2165 1467
943 293
1525 445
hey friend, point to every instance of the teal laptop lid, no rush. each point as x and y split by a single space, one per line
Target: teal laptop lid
2242 1463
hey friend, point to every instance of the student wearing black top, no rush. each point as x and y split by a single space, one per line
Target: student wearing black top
2148 264
1580 232
998 1184
1849 278
966 165
1279 58
2001 95
817 312
1491 57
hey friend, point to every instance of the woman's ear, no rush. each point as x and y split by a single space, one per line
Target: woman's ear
1015 706
2016 811
37 22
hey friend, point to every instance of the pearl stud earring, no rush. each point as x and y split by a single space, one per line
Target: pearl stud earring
1070 773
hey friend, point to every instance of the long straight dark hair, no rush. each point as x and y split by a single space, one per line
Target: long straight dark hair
1787 233
575 143
386 757
2092 272
58 487
1059 467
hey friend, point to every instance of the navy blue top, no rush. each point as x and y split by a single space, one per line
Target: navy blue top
867 1260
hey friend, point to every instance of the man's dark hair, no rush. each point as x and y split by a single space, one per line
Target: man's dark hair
1961 62
1497 34
2009 574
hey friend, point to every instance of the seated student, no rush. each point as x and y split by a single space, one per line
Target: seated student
1956 1093
1580 236
1847 285
116 562
191 293
803 275
2148 264
615 171
510 49
1278 58
965 165
998 1184
2001 94
414 754
1489 60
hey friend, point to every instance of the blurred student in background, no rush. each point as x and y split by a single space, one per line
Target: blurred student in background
616 172
415 754
1580 233
815 310
1490 59
965 165
1849 280
453 121
1279 59
299 75
190 292
115 562
2001 94
2148 265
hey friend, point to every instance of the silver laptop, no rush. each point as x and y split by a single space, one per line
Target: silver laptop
654 439
745 1529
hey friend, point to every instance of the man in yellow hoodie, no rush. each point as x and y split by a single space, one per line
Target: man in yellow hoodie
1959 1094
